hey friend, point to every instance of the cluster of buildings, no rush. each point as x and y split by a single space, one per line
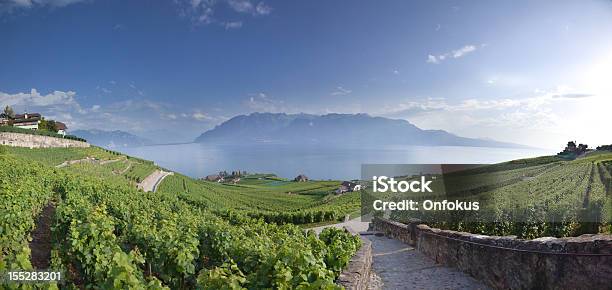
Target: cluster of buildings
29 121
346 186
223 176
572 148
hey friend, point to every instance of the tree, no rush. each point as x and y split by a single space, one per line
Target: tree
48 125
9 111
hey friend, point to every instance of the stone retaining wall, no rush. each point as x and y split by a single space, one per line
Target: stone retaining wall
37 141
357 273
511 263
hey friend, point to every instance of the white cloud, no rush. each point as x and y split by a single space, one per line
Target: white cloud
432 59
10 5
137 90
457 53
246 6
104 90
262 9
340 91
139 116
233 25
261 102
242 6
463 51
572 96
201 116
544 119
56 98
204 11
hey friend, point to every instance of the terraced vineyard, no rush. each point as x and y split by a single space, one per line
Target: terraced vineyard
273 200
198 234
558 198
107 234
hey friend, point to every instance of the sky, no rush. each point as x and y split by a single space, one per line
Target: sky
530 72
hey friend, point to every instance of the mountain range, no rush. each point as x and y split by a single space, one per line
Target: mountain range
333 129
111 139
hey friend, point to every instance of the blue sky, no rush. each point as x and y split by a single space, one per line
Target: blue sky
531 72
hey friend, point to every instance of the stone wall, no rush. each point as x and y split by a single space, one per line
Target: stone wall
37 141
583 262
357 273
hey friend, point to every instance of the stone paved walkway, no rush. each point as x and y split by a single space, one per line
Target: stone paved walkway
397 265
400 266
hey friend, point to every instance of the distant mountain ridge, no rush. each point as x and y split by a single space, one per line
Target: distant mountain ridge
330 129
111 139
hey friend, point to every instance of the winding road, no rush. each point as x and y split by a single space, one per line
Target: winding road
151 182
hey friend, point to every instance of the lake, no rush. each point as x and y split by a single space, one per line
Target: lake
316 162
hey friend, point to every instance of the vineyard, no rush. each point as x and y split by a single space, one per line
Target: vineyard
107 234
536 199
274 201
199 234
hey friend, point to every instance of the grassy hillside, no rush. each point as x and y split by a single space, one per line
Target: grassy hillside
106 234
530 198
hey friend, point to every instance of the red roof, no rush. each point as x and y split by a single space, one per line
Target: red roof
30 115
60 126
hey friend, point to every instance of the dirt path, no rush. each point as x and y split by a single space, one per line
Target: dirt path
587 191
354 226
87 159
41 239
151 182
70 162
129 165
111 161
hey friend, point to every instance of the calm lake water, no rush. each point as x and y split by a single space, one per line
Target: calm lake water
197 160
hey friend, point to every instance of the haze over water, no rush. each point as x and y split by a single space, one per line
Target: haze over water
316 162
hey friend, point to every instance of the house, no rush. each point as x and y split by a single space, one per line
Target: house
342 189
301 178
348 186
60 128
27 121
352 186
5 119
214 177
572 149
